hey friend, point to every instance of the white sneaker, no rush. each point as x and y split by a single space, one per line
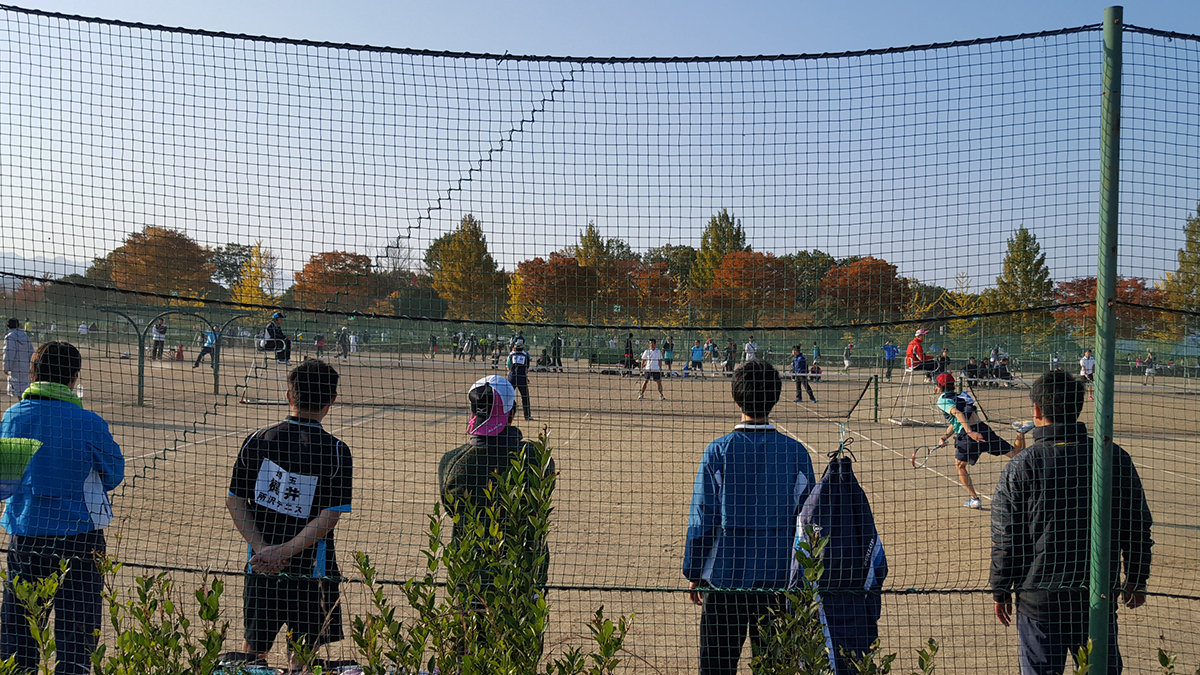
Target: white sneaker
1023 427
974 503
641 396
662 398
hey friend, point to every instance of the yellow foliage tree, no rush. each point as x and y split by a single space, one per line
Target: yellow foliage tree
256 282
468 278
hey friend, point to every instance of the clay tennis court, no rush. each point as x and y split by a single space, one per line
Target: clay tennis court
626 471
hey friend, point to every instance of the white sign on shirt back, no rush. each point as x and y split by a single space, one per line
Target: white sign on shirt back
288 493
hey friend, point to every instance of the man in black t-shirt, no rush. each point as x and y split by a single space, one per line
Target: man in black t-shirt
518 367
290 485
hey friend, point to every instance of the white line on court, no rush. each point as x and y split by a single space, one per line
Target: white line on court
575 434
901 455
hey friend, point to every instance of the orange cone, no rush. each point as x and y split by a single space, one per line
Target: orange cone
179 353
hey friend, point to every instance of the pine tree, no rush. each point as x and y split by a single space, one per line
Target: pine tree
722 235
468 279
961 302
1025 282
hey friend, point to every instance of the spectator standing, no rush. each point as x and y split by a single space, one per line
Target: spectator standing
289 487
158 336
1087 372
556 347
18 352
847 354
800 372
343 343
518 369
1148 363
59 510
320 343
739 545
697 360
465 472
890 352
751 349
668 354
1041 516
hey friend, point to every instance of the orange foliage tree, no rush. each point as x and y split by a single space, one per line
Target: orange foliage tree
645 292
556 289
337 280
162 260
1132 322
748 284
868 288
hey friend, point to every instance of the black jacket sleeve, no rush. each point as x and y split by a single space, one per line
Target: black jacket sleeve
1131 519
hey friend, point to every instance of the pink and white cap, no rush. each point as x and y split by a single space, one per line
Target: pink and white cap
492 399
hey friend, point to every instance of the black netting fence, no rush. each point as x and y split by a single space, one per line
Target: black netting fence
411 214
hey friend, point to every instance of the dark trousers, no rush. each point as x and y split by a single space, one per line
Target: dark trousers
802 381
889 364
283 349
556 360
1048 635
156 353
523 389
725 621
200 356
77 605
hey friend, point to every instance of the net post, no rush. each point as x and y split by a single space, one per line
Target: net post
1100 602
875 387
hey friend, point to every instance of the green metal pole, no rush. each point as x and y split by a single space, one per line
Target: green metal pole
1101 600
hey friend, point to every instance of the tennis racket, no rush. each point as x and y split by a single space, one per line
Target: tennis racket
921 454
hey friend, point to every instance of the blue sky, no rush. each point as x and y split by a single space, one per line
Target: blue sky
633 28
926 159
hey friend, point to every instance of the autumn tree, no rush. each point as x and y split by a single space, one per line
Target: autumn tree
335 280
554 289
412 295
255 282
645 292
868 288
1131 322
810 267
229 261
748 284
722 235
679 261
433 254
162 260
467 277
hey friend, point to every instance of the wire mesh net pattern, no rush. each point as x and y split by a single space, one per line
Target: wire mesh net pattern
410 213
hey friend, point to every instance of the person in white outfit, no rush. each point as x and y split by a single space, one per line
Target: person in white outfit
18 351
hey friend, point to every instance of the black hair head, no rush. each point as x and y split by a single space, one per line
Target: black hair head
1059 395
58 362
313 385
756 387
